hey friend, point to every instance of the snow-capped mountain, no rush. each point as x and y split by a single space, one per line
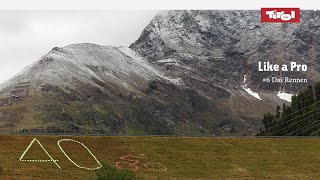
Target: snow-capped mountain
86 64
189 73
223 46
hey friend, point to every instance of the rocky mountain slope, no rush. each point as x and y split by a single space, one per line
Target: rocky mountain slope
189 73
222 46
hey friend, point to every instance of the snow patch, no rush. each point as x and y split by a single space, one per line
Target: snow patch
167 61
248 90
172 62
254 94
244 79
285 96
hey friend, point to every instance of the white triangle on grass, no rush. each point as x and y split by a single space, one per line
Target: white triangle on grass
35 160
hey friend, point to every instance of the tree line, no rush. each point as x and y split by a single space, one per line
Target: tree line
301 118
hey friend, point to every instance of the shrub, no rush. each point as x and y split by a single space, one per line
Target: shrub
1 169
108 172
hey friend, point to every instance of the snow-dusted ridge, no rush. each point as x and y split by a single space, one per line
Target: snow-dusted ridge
83 62
144 63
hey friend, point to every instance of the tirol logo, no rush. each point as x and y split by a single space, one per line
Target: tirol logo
280 14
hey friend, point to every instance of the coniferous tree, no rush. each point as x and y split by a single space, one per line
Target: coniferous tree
301 118
278 112
317 91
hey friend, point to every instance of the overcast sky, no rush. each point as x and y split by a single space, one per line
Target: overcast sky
27 35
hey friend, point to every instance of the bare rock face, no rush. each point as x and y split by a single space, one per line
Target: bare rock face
189 73
223 46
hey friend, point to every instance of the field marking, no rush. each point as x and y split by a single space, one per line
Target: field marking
33 160
135 163
156 163
98 167
130 164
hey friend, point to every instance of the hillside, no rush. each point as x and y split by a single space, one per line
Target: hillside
190 73
86 88
220 47
181 158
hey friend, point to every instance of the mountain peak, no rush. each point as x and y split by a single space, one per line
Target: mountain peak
66 66
186 70
235 38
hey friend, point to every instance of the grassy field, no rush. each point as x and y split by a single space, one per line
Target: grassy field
183 158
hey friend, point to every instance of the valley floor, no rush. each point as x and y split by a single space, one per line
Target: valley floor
161 157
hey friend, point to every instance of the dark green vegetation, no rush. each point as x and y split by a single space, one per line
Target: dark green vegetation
108 172
1 169
302 118
185 158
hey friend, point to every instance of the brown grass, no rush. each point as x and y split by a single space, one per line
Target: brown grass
185 158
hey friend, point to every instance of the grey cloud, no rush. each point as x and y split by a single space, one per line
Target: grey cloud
27 35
